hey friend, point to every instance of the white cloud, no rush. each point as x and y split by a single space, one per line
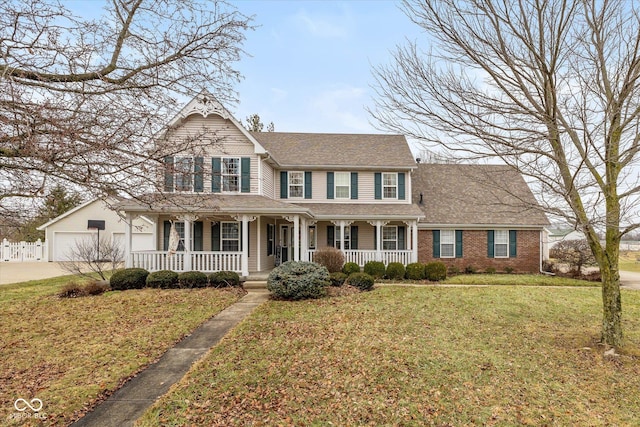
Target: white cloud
322 27
341 110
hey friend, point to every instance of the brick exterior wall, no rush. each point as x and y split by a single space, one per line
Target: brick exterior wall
474 245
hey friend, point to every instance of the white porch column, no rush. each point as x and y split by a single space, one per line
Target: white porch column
296 238
245 245
259 244
342 236
414 242
188 244
304 240
128 261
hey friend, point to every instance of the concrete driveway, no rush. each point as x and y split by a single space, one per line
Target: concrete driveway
630 280
15 272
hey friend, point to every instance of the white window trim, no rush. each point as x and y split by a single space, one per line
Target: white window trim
452 243
390 186
178 172
223 239
504 243
289 185
389 240
335 185
224 176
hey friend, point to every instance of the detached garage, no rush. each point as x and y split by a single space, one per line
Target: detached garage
63 233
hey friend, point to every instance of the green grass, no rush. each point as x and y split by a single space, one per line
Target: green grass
516 279
71 352
629 261
417 356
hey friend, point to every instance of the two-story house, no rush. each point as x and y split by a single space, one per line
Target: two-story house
251 200
247 201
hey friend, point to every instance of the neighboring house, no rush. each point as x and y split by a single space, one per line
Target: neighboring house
478 217
562 232
62 234
248 201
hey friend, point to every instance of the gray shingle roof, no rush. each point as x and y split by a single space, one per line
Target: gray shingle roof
475 195
357 151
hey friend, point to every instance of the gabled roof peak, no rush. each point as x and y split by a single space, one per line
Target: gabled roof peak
204 104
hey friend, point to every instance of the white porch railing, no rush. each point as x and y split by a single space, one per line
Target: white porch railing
23 251
200 261
361 257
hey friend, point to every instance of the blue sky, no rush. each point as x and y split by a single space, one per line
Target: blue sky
311 62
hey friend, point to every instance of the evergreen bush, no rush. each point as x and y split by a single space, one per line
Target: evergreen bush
376 269
223 279
163 279
296 280
193 279
338 278
395 271
435 271
362 281
129 278
350 267
415 271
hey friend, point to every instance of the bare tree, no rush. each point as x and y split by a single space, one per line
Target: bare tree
552 88
254 124
89 256
81 100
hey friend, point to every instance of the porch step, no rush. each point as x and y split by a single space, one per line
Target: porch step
255 284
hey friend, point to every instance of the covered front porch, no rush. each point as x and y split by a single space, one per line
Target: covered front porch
250 238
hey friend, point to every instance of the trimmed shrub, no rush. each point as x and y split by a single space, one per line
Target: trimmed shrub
490 270
453 270
350 267
509 270
362 281
129 278
435 271
330 257
71 290
193 279
415 271
338 278
470 269
223 279
296 280
395 271
376 269
163 279
96 288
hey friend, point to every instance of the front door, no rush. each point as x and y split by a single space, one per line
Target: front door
286 243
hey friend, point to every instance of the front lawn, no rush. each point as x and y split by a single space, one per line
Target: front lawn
417 356
516 279
70 352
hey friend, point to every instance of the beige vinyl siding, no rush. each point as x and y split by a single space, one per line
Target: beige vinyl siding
268 181
229 142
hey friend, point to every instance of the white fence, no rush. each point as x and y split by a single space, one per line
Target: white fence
23 251
200 261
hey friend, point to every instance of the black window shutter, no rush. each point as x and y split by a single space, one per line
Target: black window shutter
215 237
401 238
490 244
354 237
436 243
459 244
284 184
197 235
245 174
198 175
354 185
401 186
307 185
331 235
378 185
168 173
216 174
513 244
330 185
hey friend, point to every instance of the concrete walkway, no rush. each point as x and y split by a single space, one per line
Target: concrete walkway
129 402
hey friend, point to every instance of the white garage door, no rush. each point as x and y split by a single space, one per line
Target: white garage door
63 244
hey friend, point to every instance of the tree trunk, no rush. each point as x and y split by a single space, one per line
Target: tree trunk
611 298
